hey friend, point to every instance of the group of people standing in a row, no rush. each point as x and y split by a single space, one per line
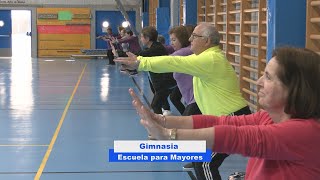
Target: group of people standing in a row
114 42
163 85
280 140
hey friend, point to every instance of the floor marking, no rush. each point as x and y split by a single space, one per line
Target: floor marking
56 133
22 145
93 172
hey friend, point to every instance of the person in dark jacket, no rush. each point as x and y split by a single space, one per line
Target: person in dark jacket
161 84
108 38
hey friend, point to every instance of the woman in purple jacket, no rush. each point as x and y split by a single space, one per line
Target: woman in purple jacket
179 38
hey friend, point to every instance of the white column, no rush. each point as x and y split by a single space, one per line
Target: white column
175 15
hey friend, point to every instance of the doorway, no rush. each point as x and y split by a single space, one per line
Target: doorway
21 33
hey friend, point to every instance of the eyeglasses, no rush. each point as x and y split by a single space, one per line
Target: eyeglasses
194 36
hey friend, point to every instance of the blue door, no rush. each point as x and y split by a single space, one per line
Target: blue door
5 33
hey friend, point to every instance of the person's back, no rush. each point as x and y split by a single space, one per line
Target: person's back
132 40
159 80
296 160
223 92
134 45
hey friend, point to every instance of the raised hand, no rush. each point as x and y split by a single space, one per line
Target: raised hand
129 62
151 121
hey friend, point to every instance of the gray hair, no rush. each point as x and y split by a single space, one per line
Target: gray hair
211 32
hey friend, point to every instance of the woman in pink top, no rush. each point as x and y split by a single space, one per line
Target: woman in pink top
281 140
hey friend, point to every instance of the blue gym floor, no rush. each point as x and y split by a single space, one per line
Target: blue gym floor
59 117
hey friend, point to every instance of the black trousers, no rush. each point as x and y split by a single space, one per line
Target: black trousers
191 109
175 98
110 56
165 103
160 99
210 170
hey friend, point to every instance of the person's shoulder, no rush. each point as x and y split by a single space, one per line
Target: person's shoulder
160 47
262 116
181 52
216 53
157 44
263 113
169 49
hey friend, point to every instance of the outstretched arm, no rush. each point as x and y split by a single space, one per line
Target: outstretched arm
181 122
129 62
155 125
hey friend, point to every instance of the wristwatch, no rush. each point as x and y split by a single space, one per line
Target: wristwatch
173 134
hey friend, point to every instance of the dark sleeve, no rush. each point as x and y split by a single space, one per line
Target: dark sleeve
146 53
126 40
156 49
